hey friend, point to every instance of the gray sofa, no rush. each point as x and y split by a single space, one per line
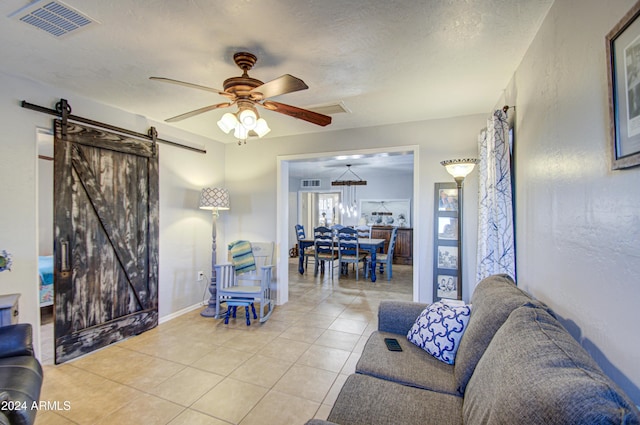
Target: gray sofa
515 364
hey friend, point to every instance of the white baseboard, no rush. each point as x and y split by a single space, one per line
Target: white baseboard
180 312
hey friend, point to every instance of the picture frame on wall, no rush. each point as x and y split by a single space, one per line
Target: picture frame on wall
386 212
448 199
448 257
447 286
448 228
623 66
445 242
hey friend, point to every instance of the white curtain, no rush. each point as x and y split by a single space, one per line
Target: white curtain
496 252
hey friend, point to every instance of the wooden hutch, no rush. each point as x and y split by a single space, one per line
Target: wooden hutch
403 253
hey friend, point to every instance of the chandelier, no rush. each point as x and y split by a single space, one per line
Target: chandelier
244 123
348 204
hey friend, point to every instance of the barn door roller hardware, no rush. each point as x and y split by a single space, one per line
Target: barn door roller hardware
63 110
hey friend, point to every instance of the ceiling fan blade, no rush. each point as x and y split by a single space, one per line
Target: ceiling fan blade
194 86
281 85
198 111
294 111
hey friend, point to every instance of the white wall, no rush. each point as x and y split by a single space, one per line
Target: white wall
578 222
251 176
185 231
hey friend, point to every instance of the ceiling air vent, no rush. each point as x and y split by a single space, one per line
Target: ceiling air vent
331 108
309 183
54 17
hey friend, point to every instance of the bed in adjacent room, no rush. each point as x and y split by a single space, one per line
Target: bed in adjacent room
45 269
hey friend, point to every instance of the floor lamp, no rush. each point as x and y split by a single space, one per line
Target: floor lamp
214 199
459 169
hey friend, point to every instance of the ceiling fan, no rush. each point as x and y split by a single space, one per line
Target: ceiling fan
247 92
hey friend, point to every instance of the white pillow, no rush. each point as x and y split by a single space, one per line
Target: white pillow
439 328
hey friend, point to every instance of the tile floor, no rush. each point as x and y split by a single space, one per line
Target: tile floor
196 371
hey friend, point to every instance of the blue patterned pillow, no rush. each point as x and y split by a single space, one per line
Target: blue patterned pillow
439 328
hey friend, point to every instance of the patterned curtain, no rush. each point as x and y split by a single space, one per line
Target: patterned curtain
496 253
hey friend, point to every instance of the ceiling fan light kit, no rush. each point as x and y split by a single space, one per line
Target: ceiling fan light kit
248 119
246 93
261 128
228 122
244 124
241 133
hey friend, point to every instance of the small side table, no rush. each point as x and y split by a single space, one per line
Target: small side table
9 309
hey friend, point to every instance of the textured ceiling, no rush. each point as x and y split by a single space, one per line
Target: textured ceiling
331 168
389 61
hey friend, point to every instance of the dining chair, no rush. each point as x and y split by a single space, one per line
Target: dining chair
386 259
323 241
349 251
246 280
336 227
308 252
364 231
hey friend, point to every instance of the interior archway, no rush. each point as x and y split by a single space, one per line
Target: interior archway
285 222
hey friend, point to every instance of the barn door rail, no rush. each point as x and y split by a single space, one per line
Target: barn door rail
63 110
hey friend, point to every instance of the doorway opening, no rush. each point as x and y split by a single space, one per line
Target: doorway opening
44 140
318 209
287 199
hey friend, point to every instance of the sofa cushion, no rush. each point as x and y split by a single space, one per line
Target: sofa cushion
412 366
534 369
365 400
493 299
21 379
438 330
398 316
16 340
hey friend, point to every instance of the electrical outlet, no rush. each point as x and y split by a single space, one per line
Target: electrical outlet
200 276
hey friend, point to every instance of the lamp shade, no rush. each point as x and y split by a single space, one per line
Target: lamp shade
228 122
214 198
240 132
248 119
261 127
459 168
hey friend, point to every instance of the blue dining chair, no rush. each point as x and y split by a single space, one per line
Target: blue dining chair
364 231
336 228
323 241
386 259
309 252
349 251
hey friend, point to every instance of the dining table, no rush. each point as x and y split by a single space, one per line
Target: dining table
371 245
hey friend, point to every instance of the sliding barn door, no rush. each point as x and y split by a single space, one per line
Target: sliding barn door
106 238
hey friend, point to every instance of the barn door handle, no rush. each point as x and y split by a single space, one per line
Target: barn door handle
64 254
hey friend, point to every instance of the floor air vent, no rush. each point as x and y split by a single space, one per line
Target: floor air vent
309 183
54 17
